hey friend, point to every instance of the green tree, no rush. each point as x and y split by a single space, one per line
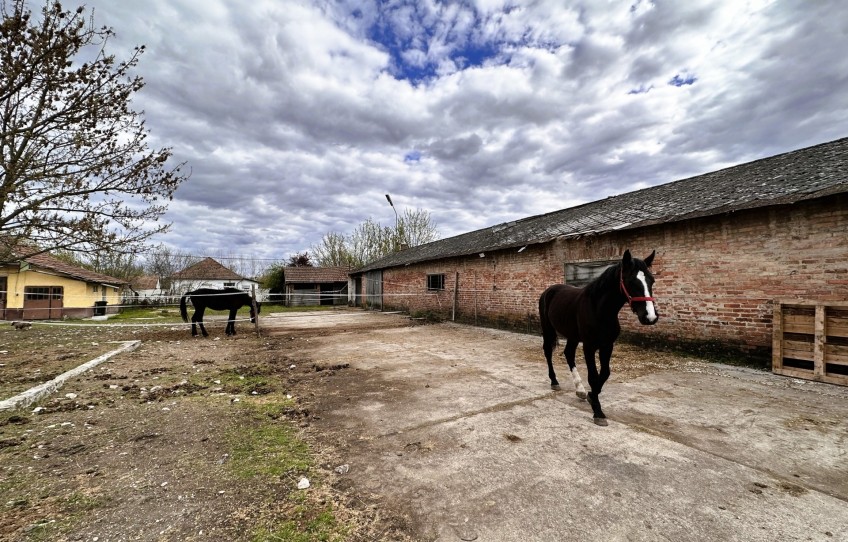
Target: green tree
75 169
274 279
300 260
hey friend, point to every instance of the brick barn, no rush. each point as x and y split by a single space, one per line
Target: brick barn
728 243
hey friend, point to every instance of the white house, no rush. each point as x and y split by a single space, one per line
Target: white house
145 287
208 273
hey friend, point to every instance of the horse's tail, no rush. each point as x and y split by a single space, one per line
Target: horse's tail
183 310
547 328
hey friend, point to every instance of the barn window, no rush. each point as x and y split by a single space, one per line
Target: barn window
582 273
436 282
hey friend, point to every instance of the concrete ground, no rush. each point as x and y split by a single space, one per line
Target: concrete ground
458 427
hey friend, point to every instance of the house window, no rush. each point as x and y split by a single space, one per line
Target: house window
582 273
436 282
36 293
33 293
229 285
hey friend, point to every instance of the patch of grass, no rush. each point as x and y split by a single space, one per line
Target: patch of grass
241 382
79 502
269 448
305 526
155 314
264 445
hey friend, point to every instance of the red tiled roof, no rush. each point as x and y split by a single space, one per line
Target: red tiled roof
46 261
311 275
207 269
144 282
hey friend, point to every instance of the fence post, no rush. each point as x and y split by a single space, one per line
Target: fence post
455 295
255 308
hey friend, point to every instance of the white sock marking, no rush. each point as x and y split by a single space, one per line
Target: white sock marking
578 382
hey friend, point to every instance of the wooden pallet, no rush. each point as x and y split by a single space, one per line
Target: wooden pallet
810 340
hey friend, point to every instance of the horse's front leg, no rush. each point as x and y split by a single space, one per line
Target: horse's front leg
596 383
569 353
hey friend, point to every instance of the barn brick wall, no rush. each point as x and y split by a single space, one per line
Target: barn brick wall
716 276
501 288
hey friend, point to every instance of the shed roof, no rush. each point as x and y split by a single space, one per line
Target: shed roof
783 179
207 269
313 275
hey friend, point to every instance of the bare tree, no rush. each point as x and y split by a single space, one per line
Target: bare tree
75 169
415 227
241 265
165 263
331 251
114 264
370 240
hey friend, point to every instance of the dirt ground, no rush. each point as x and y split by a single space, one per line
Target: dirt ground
149 444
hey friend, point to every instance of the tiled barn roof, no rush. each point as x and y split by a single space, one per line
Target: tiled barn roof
314 275
783 179
207 269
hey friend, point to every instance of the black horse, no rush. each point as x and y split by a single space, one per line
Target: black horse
231 299
590 315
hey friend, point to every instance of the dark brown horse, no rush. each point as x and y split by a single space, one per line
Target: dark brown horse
590 315
231 299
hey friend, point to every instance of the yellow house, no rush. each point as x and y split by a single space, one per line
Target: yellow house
43 287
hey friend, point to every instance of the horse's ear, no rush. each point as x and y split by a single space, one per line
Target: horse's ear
650 259
627 260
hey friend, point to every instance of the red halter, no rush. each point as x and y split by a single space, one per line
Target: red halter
630 299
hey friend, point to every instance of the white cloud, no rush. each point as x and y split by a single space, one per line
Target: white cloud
295 117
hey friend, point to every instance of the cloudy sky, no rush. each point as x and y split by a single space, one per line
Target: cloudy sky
297 117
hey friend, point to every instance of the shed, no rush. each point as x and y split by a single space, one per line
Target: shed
728 243
316 285
43 287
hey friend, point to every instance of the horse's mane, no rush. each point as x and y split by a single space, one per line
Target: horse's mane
603 282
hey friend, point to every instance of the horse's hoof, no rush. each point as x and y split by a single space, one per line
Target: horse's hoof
581 395
601 421
555 387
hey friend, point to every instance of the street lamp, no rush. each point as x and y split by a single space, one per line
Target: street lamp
393 209
397 232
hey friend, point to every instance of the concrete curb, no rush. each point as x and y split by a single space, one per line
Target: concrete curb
32 395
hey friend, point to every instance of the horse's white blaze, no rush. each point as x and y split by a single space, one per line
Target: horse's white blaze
649 305
578 382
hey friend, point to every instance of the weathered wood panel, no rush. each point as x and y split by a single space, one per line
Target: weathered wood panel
808 331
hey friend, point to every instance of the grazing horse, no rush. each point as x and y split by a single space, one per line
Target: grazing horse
590 315
231 299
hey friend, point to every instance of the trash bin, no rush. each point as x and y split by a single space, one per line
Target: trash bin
100 308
